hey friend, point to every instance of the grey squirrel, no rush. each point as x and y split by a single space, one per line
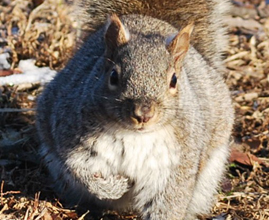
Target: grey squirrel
140 118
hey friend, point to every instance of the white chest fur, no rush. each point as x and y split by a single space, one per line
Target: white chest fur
145 158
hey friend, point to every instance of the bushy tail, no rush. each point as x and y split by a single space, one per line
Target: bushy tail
209 36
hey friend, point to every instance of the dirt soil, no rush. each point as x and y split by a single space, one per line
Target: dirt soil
47 32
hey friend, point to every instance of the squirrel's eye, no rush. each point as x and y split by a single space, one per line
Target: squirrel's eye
114 78
173 81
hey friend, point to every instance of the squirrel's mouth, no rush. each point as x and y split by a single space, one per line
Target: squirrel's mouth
141 127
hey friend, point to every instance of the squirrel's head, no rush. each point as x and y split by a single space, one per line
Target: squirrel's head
142 70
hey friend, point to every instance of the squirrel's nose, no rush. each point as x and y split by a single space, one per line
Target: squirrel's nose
143 112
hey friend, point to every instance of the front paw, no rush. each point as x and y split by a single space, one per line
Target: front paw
112 187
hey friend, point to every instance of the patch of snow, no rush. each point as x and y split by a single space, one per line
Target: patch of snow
220 217
30 74
3 61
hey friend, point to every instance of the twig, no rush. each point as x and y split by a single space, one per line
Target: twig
10 192
2 186
83 216
6 193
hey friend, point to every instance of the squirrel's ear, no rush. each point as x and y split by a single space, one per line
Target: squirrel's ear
179 45
116 34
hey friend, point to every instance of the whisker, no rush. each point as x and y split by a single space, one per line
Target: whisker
108 59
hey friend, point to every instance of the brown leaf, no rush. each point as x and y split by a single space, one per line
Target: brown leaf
6 72
243 158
